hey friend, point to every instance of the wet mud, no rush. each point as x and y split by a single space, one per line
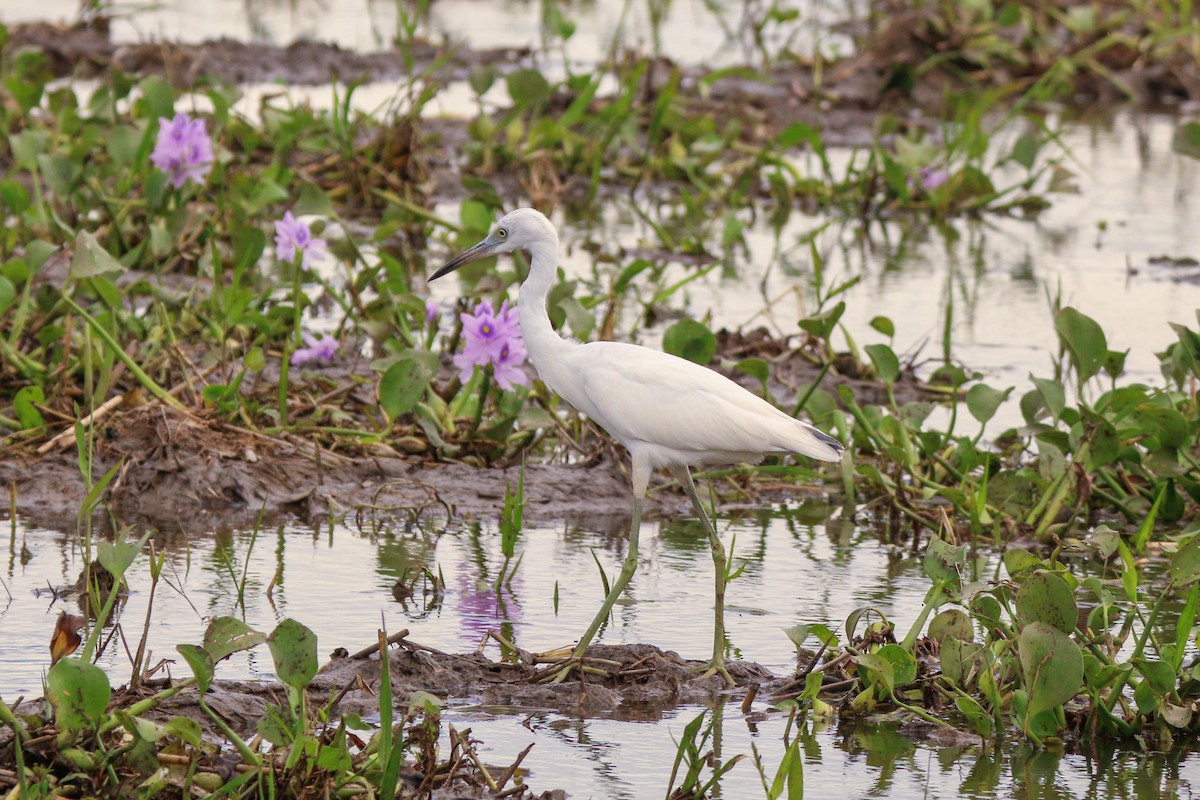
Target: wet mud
186 470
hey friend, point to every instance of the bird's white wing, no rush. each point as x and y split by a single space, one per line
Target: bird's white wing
645 396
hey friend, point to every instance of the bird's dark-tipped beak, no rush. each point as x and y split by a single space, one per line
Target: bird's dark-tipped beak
481 250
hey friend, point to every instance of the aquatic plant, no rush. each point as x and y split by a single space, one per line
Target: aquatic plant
183 150
492 338
293 236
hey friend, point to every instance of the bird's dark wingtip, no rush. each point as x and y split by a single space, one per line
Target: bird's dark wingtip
837 446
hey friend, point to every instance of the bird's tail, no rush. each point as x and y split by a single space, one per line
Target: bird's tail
811 442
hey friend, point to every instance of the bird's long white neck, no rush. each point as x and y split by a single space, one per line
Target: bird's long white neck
546 348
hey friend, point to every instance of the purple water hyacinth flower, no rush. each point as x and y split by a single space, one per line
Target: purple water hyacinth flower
932 178
491 337
291 235
506 366
183 150
321 350
431 311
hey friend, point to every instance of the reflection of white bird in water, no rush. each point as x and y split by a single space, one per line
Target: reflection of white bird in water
668 412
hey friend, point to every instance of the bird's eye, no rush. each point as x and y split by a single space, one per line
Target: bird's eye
502 233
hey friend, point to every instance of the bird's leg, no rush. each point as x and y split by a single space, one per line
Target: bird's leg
717 665
618 586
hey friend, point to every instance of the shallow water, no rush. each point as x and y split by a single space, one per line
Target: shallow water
804 563
800 567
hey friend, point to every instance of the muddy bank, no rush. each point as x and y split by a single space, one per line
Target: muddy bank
189 470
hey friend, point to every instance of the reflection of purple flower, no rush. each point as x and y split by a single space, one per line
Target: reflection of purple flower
318 350
932 178
492 338
291 235
182 150
481 608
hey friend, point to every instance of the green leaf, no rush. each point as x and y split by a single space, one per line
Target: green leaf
312 201
883 325
1185 562
691 340
983 401
227 635
754 367
201 664
527 87
951 623
1186 140
158 98
255 359
90 259
1160 675
1084 340
79 693
1025 150
403 384
944 561
1053 395
887 365
962 661
118 555
822 325
294 650
8 293
1051 665
123 143
24 406
1046 598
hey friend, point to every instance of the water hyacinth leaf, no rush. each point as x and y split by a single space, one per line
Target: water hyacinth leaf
1159 675
822 325
1046 598
90 259
1051 665
754 367
875 669
79 693
943 561
227 635
186 730
311 200
962 661
403 384
904 663
1052 394
25 404
983 401
1025 150
1084 340
1185 562
118 555
1017 560
1186 140
691 340
980 720
886 364
857 614
527 87
951 624
294 650
1171 426
201 664
884 325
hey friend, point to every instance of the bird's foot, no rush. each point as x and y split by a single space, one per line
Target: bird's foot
716 666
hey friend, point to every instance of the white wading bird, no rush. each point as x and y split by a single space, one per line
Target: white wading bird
667 411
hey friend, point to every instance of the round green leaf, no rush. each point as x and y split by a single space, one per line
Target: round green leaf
1052 667
403 385
227 635
294 650
1084 339
951 624
691 340
983 400
1046 598
79 693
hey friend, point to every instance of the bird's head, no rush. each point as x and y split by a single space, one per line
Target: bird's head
523 229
